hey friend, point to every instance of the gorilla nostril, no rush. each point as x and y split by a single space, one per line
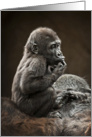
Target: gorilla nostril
59 54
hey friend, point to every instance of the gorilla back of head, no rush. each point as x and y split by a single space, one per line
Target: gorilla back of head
69 81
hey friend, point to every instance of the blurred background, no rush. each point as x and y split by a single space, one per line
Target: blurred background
74 29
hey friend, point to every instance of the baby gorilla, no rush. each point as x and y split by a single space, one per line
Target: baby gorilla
42 64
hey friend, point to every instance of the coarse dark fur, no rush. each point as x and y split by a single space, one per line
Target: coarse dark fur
75 108
31 88
42 64
75 114
70 86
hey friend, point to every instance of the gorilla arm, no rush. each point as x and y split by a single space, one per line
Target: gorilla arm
34 78
35 95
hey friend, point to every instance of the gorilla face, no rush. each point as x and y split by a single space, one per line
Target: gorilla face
45 42
54 53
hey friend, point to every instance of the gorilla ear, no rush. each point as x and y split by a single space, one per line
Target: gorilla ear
34 48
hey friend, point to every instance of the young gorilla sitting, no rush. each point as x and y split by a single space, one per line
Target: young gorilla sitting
42 64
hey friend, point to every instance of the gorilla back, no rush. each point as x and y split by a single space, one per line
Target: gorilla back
73 103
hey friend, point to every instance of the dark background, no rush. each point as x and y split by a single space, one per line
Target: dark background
74 28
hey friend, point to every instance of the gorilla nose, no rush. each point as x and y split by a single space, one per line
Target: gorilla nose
59 54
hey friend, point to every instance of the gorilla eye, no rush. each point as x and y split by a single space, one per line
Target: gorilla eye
53 46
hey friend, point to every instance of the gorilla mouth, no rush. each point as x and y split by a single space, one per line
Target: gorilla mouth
56 61
63 61
60 59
